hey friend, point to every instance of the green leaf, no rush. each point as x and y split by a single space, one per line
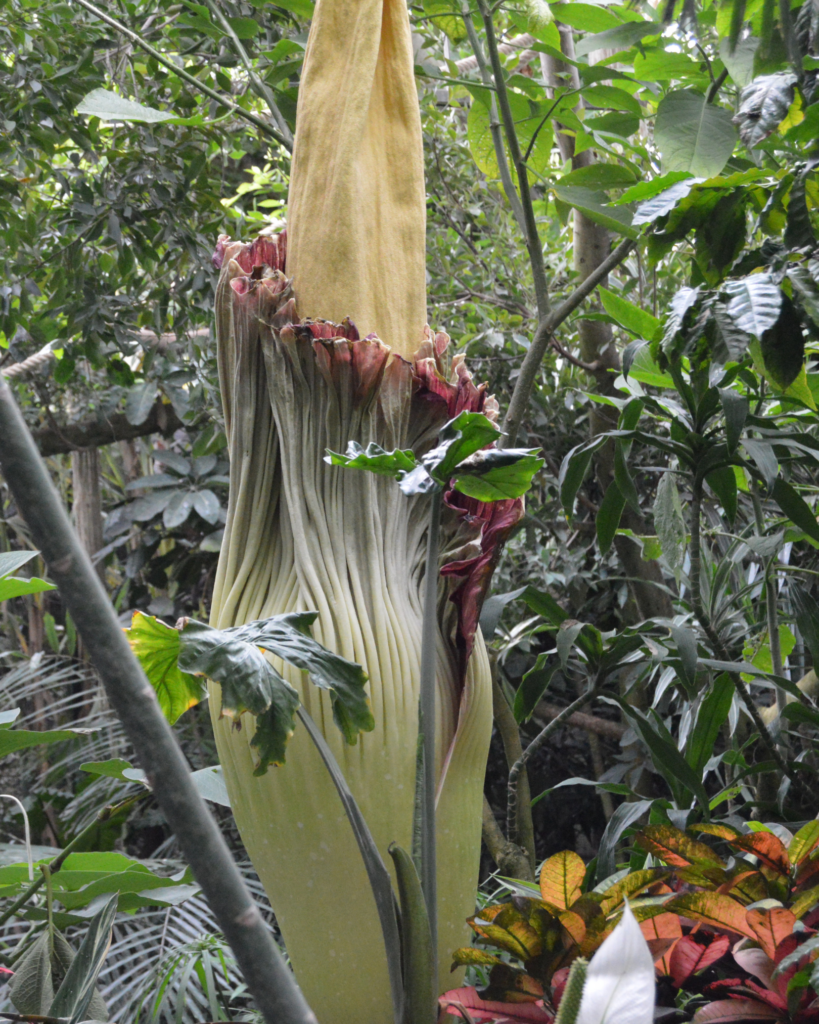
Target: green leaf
599 176
620 38
723 483
693 135
12 740
669 522
108 106
544 604
586 17
608 516
157 647
796 508
686 641
735 409
646 190
532 687
806 610
756 302
115 768
573 471
528 117
288 637
77 990
249 683
712 713
10 561
664 65
42 968
302 8
245 28
630 317
739 62
763 105
594 205
498 475
374 459
15 586
624 817
461 437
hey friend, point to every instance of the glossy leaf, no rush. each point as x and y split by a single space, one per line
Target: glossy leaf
755 303
804 842
767 847
691 957
714 909
561 879
631 317
771 926
674 847
497 475
533 686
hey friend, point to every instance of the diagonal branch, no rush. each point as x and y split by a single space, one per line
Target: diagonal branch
543 339
263 90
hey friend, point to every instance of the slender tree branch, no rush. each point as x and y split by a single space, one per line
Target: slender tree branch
513 749
95 433
512 860
190 79
543 338
516 773
262 89
267 975
494 122
532 236
716 85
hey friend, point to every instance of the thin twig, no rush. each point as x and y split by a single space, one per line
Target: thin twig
530 231
515 775
494 122
190 79
263 90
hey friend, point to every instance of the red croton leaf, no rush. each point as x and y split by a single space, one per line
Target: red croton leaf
664 927
767 847
735 1010
770 927
485 1011
691 956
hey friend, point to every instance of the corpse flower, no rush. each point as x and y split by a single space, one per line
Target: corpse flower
322 342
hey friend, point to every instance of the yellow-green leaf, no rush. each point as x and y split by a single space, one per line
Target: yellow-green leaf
561 878
156 645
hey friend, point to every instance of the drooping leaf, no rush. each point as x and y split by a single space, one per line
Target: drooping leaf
796 508
806 609
723 483
594 205
288 637
561 879
631 317
691 957
624 817
735 409
669 522
693 135
157 648
756 302
533 686
763 105
711 715
767 847
608 516
771 925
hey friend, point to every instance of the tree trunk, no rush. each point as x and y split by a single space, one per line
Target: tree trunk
87 507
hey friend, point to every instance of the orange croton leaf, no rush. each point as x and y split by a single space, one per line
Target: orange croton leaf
771 926
713 909
804 842
663 927
561 878
767 847
574 925
508 929
748 887
675 847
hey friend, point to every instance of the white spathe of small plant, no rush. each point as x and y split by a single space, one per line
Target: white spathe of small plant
620 985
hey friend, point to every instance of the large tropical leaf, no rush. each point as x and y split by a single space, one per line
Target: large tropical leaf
692 134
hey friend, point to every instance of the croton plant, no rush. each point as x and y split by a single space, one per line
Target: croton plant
734 936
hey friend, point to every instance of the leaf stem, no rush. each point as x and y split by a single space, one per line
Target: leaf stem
185 76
